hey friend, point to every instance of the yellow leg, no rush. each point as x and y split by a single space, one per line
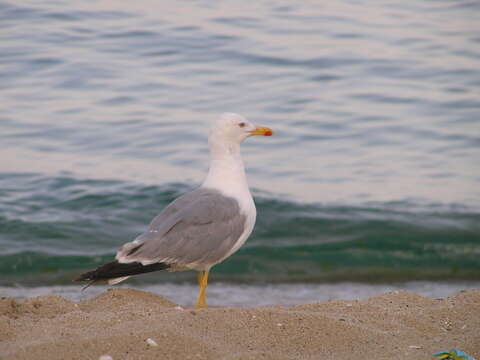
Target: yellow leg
202 283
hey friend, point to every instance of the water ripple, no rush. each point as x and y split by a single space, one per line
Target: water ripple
368 101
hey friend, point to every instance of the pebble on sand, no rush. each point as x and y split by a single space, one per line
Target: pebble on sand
151 342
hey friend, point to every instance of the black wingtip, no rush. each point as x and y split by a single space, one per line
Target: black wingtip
85 276
114 269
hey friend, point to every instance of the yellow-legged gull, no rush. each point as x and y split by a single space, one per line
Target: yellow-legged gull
200 228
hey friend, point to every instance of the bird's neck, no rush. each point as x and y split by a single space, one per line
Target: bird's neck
227 172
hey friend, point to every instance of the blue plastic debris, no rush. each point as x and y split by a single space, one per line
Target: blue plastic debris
453 355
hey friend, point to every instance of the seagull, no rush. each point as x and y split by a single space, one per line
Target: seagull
200 228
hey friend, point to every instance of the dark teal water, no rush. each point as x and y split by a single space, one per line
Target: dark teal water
54 228
373 174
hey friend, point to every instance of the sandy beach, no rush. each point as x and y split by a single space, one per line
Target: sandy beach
397 325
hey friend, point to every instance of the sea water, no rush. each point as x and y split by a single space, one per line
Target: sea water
371 181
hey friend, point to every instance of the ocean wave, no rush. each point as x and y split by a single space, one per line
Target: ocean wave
53 227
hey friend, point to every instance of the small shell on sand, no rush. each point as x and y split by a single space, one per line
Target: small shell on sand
105 357
151 342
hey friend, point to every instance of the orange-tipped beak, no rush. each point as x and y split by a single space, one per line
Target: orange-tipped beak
264 131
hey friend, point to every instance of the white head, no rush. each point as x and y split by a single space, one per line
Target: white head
234 128
229 131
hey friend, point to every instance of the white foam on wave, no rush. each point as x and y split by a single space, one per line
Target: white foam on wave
230 294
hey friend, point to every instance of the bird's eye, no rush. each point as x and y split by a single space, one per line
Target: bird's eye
242 124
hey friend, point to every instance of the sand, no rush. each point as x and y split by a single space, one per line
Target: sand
397 325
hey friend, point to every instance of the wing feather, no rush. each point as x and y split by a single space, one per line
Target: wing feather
200 227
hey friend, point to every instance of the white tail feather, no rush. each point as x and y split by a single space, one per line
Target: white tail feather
117 280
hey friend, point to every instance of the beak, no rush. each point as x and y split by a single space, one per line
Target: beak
264 131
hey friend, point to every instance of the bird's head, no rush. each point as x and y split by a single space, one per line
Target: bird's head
234 128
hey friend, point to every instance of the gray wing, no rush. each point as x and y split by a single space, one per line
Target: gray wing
200 227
